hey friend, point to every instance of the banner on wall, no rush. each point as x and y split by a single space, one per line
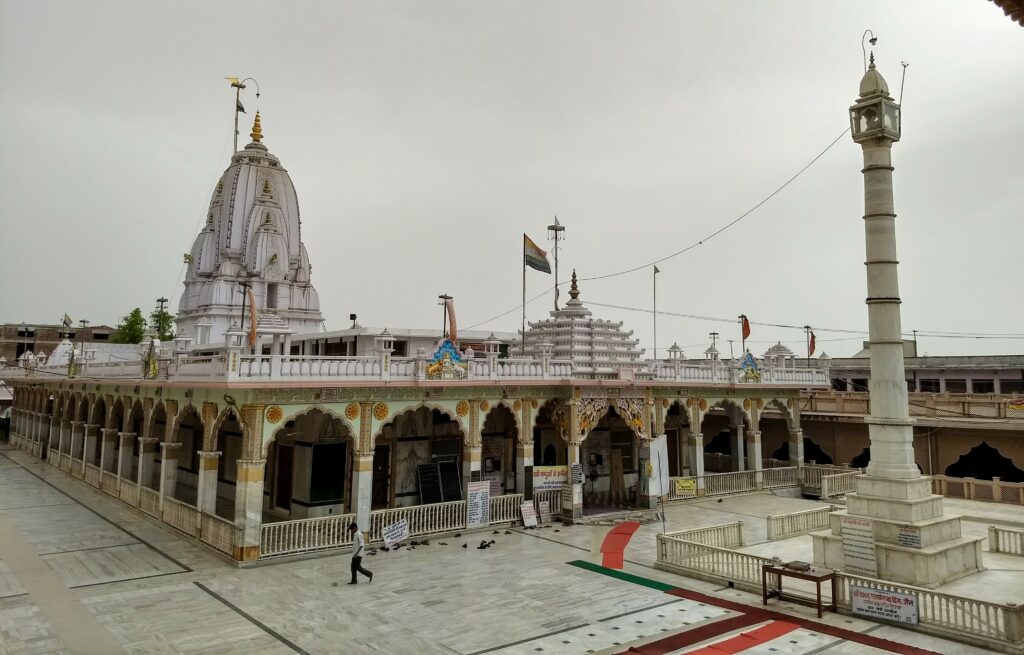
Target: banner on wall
550 478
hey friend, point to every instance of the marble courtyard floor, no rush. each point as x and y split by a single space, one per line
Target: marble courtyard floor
82 573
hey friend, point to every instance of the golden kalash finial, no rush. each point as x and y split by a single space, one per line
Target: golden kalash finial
257 129
574 291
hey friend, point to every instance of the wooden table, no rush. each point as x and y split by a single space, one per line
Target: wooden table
815 575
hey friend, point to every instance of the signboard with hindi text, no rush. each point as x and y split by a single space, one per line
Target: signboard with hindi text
395 533
544 508
882 604
859 546
478 504
909 536
686 487
529 513
550 478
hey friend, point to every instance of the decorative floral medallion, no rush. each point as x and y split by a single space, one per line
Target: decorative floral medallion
746 403
534 404
703 404
274 414
517 405
665 403
484 405
352 411
380 411
462 408
760 403
689 402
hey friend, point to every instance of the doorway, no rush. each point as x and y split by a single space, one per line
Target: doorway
381 497
283 478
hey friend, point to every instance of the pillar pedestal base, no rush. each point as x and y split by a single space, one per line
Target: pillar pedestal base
914 542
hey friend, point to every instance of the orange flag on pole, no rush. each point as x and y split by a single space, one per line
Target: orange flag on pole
252 317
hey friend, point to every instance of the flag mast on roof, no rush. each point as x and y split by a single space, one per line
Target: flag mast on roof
555 233
238 86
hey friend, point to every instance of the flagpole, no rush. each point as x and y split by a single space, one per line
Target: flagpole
743 337
238 100
523 337
807 339
655 287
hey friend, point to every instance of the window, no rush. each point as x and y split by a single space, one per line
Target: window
859 384
100 336
272 295
929 386
956 386
838 384
401 348
1011 386
983 386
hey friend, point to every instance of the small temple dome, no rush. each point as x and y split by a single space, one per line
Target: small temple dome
778 350
873 83
597 348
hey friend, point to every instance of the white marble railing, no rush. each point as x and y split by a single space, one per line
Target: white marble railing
305 535
422 519
722 484
810 475
787 476
1004 540
838 484
506 509
939 405
129 493
781 526
181 516
726 535
995 490
234 365
109 482
554 499
952 616
709 562
149 501
218 532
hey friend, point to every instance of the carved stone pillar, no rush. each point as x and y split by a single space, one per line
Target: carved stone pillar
738 453
754 456
796 447
362 489
472 449
168 470
109 437
524 461
77 432
89 445
125 455
249 508
206 486
147 458
697 460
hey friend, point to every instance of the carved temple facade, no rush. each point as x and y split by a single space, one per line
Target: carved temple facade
225 447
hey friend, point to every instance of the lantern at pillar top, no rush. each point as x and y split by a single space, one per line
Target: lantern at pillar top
875 115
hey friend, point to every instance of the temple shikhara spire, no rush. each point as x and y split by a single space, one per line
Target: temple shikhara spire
252 238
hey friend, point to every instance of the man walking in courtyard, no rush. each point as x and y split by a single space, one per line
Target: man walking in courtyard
358 546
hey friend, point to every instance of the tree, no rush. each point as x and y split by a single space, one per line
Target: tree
131 329
161 321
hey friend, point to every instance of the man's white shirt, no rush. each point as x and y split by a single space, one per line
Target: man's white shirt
358 543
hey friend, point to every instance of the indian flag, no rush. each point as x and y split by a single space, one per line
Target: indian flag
534 257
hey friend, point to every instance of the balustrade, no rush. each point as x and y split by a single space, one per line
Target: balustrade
129 493
726 535
722 484
838 484
1005 540
709 562
181 516
781 526
994 490
952 615
218 533
109 482
149 501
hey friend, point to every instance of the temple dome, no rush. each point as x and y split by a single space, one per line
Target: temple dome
778 350
252 236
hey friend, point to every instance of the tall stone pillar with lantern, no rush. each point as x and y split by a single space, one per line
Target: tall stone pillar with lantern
893 527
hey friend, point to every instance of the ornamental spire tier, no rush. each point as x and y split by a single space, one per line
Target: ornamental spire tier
893 527
252 238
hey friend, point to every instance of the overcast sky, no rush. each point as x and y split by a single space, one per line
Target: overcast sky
425 137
